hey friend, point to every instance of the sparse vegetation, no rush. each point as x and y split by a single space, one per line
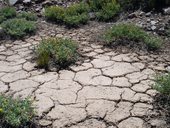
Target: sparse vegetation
71 16
15 113
28 16
162 84
104 9
130 32
18 28
6 13
54 13
78 13
59 51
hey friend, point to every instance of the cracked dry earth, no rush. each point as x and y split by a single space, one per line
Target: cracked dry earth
108 89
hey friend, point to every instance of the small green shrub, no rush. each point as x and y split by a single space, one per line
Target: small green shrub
55 13
28 16
131 32
162 84
2 19
14 112
6 13
18 28
104 9
108 11
76 14
76 20
72 16
78 8
56 50
153 42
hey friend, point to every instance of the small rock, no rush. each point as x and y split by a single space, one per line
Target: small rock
26 1
168 68
12 2
148 14
167 11
21 7
153 22
148 20
162 29
153 28
141 13
132 15
47 3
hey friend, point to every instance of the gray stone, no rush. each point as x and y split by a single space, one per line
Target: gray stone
168 68
167 11
153 28
12 2
26 1
153 22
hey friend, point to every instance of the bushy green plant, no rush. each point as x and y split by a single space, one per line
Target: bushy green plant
108 11
2 19
76 20
162 84
105 9
76 14
15 113
133 33
56 50
78 8
18 28
72 16
55 13
28 16
153 42
6 13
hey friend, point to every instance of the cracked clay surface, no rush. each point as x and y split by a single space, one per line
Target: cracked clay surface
107 90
